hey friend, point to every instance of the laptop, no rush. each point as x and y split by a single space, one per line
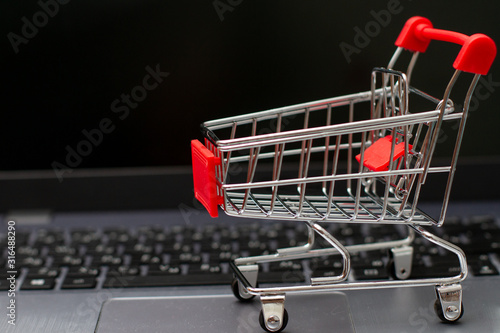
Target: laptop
101 103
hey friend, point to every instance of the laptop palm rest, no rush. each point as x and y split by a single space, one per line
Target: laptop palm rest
221 313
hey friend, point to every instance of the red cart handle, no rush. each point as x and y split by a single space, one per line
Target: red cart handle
477 53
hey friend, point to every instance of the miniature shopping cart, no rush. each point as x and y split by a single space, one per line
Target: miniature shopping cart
360 158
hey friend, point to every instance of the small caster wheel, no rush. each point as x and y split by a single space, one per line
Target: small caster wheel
243 297
273 323
439 312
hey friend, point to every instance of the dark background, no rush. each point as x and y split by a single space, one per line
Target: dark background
262 54
224 57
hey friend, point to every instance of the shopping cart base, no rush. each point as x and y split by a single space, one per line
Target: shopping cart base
448 305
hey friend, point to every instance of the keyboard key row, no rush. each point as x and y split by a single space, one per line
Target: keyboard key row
75 259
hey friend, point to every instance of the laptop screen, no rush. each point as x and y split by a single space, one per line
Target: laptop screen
123 86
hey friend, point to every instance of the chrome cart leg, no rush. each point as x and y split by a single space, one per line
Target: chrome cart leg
447 246
401 262
448 305
273 316
250 273
340 248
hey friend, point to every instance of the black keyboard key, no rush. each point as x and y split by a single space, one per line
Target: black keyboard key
421 271
484 270
89 238
120 235
449 259
175 247
101 249
163 269
287 265
124 270
281 277
283 242
38 284
43 272
479 245
485 222
326 272
357 262
49 238
30 262
139 249
481 265
156 233
186 258
371 273
205 269
27 251
255 246
62 250
325 264
67 260
435 271
72 282
180 247
83 271
423 247
166 280
146 259
226 256
107 260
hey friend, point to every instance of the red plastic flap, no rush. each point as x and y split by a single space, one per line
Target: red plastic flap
476 55
205 186
377 156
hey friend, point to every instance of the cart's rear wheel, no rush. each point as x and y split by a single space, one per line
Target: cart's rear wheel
263 323
439 312
235 287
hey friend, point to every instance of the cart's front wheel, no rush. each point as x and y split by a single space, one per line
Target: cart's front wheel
273 322
439 312
240 294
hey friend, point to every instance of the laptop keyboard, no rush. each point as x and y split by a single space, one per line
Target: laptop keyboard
154 256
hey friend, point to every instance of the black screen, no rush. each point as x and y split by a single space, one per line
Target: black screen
98 84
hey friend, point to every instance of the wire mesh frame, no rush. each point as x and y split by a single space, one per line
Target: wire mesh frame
364 204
